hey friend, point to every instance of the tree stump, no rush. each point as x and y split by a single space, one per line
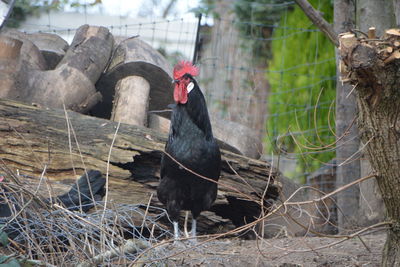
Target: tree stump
374 75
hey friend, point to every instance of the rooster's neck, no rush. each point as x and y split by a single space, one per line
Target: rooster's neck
195 111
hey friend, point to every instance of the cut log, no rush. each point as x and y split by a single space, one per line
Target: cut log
134 57
9 64
131 101
30 54
395 55
393 34
63 86
132 92
372 33
238 136
71 84
90 51
159 123
32 139
52 47
347 40
9 48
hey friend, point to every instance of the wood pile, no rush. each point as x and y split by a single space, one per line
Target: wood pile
47 90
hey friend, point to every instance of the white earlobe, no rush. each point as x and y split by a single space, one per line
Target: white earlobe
190 87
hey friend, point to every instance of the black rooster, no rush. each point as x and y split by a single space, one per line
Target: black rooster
191 143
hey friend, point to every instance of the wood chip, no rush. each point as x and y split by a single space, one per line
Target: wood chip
347 40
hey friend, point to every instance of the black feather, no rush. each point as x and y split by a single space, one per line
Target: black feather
85 192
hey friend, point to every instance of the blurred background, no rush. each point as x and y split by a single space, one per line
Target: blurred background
263 64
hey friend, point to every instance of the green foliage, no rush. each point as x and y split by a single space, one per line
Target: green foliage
303 64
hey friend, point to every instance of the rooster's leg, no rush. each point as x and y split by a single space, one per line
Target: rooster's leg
176 230
193 232
185 225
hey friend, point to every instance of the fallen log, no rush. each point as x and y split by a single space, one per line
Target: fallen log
65 143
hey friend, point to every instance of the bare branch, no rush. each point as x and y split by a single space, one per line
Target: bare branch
319 21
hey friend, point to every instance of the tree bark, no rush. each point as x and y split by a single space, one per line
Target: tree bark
376 79
318 20
32 139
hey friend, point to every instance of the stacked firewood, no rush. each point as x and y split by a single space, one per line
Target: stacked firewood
125 82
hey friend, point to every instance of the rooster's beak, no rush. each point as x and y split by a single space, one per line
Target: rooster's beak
175 81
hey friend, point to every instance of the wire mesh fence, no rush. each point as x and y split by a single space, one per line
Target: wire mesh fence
277 78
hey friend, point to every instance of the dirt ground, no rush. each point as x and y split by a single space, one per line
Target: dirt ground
283 252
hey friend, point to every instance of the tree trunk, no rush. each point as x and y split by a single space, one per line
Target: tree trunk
374 72
32 139
372 66
372 13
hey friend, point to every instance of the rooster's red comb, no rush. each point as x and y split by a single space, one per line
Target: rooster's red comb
184 67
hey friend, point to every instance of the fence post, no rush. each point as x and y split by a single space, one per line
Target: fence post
196 44
348 145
